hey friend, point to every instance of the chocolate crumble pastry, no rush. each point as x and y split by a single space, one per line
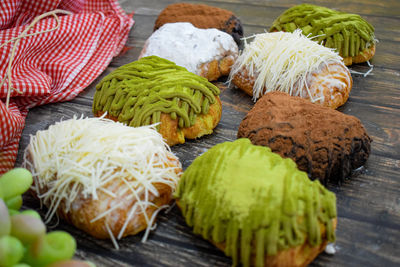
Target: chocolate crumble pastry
203 17
323 142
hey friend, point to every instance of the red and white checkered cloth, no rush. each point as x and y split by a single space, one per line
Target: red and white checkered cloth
54 66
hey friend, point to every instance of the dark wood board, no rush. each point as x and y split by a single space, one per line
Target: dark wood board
368 203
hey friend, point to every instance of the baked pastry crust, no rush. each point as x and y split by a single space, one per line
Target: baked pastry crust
215 69
256 206
364 56
325 143
107 179
83 210
299 256
154 90
173 134
349 34
319 84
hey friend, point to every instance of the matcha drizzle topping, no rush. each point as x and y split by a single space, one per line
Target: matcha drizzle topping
253 201
137 93
348 33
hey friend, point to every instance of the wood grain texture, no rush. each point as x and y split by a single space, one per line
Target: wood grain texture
368 203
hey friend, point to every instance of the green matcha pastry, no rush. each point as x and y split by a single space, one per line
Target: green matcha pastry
256 206
153 90
352 36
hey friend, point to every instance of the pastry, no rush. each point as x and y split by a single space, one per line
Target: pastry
325 143
203 17
209 53
352 36
107 179
256 206
292 63
155 90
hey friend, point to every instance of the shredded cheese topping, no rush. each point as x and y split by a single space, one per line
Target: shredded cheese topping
281 61
83 156
365 74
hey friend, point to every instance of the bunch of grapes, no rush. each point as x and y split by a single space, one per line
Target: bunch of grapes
23 238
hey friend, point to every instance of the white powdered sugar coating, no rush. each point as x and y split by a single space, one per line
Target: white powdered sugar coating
188 46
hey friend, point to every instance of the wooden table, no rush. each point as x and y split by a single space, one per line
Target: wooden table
368 203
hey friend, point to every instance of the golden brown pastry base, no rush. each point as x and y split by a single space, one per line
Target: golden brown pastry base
364 56
84 210
244 81
169 129
217 68
205 123
334 96
299 256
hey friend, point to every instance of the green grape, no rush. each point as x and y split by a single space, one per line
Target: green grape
53 247
27 228
14 203
15 182
72 263
13 212
21 265
32 213
5 222
11 251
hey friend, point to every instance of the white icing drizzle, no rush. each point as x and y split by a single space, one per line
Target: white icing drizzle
188 46
332 84
282 61
87 156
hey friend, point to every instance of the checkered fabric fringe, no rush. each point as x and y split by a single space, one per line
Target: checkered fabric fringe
54 66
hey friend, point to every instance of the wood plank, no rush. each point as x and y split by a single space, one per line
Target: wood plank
366 7
264 14
370 7
377 89
258 19
368 203
173 239
382 123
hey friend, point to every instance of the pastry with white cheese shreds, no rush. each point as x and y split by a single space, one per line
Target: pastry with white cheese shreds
292 63
107 179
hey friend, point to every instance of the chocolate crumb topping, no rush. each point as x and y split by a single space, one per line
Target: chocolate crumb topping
325 143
